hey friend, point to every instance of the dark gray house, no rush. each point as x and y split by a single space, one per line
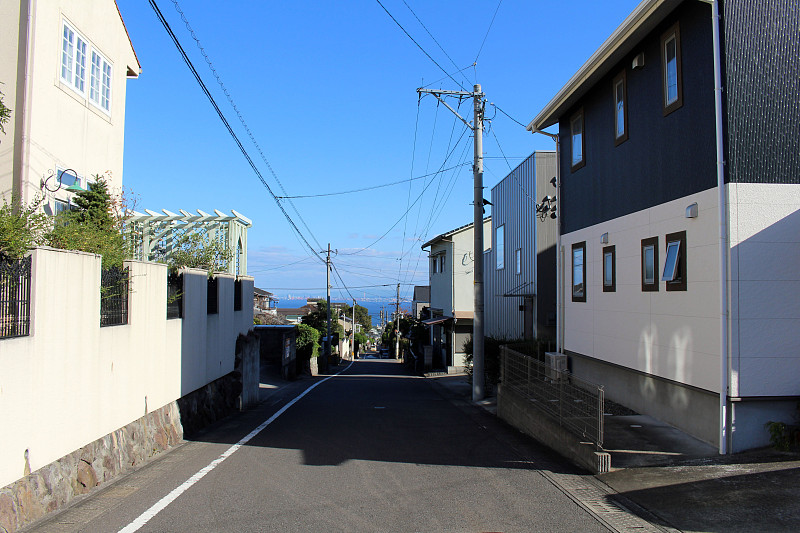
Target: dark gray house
679 216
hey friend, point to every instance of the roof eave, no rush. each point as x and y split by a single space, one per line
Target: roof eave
641 21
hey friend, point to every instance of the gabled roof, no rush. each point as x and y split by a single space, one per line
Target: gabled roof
446 236
625 38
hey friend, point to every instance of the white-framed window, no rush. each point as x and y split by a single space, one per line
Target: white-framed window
518 260
434 265
73 59
76 52
671 261
609 269
100 88
500 247
442 262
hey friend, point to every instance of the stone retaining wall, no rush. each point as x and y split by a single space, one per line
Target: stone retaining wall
55 485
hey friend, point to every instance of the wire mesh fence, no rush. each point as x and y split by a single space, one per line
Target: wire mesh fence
114 286
574 403
15 297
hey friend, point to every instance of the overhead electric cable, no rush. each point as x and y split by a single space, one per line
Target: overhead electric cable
419 46
487 31
227 125
363 189
241 118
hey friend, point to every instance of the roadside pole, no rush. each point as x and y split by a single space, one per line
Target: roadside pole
478 379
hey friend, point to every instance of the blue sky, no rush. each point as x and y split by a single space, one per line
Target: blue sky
328 90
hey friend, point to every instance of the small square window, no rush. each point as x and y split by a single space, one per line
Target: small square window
675 263
609 269
620 109
579 272
649 264
671 69
578 143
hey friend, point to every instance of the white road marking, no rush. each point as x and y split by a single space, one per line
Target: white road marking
161 504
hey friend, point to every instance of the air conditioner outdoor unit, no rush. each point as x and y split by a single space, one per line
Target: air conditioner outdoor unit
556 366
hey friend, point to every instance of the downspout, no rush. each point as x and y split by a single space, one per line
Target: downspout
22 127
724 356
559 254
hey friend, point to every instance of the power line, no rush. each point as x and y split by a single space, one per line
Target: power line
369 188
419 46
487 31
225 122
241 118
506 114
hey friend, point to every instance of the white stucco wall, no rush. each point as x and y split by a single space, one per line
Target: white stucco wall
71 382
61 127
765 289
674 335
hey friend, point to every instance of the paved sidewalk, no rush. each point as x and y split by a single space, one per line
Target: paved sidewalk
683 483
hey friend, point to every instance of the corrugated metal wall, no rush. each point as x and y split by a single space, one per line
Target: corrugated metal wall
762 68
514 205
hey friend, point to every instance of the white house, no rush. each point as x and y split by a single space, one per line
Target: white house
64 65
452 300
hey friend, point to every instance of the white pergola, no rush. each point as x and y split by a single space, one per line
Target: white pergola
153 234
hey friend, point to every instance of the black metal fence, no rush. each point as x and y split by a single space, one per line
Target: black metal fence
15 297
174 295
213 292
574 403
114 286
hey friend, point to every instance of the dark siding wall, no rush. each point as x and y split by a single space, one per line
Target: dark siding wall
762 66
664 158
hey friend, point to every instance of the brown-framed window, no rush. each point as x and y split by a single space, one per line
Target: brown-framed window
579 272
650 264
609 269
578 140
671 69
620 91
675 262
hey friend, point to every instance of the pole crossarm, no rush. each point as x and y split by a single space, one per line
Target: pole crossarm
461 94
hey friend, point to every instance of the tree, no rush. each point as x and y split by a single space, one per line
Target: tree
92 227
307 342
362 316
319 320
198 250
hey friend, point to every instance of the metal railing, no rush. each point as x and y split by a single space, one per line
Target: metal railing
174 295
15 297
114 286
574 403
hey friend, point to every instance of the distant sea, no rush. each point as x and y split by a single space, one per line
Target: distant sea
374 308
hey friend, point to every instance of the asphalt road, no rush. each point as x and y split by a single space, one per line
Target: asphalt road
372 449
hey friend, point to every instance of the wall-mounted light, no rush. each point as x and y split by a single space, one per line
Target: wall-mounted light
691 211
604 238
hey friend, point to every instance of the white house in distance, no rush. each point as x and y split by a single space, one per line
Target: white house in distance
64 65
680 216
452 299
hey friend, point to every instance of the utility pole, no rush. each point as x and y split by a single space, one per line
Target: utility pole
397 325
328 287
353 342
478 380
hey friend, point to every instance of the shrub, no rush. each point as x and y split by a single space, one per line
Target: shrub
307 342
22 227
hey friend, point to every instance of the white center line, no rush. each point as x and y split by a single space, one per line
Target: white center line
161 504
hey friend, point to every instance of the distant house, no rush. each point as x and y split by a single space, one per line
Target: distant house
295 315
263 302
452 301
64 68
422 299
680 216
520 268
